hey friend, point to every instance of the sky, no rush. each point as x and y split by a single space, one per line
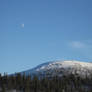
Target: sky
37 31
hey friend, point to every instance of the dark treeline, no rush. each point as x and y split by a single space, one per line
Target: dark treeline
22 83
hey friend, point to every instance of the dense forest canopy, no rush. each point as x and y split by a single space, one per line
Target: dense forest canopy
22 83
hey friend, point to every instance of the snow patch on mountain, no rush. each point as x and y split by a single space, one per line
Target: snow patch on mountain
60 68
64 64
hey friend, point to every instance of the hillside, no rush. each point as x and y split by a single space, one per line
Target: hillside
58 76
59 68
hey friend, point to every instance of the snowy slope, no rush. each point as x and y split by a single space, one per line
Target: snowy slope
60 68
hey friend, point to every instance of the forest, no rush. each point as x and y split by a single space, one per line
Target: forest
22 83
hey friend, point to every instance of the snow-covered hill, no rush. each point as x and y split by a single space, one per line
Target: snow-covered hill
59 68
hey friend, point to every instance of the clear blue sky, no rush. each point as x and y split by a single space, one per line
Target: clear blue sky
37 31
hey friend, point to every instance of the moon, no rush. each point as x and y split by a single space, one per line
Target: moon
22 25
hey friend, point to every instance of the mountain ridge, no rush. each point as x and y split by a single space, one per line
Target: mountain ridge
59 68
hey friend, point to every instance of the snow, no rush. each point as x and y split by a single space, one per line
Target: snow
65 64
62 67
